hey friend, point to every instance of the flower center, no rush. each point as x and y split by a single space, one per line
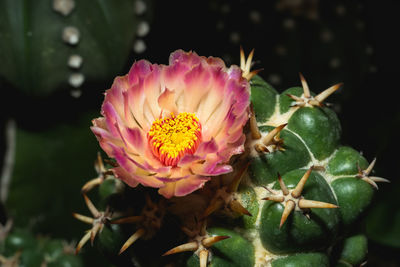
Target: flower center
171 138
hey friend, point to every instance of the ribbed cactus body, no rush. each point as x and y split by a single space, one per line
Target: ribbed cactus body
294 199
310 138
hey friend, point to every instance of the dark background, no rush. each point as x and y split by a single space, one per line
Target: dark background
355 42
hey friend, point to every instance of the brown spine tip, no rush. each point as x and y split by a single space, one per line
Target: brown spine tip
91 207
209 241
313 204
255 132
253 73
191 246
94 232
306 89
284 189
368 170
267 140
326 93
138 234
299 187
90 184
235 206
83 241
286 212
371 182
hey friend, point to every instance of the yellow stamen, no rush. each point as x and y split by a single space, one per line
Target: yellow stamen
171 138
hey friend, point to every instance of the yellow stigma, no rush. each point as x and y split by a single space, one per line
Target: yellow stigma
171 138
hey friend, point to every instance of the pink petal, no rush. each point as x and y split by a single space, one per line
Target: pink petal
166 101
207 148
187 186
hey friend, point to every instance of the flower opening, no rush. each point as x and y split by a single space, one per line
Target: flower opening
173 137
174 126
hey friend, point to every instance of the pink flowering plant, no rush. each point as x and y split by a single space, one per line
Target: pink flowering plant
175 126
277 188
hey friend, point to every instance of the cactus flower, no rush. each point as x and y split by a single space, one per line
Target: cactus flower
174 126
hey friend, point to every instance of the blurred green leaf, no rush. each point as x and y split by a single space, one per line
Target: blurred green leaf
383 220
34 57
51 165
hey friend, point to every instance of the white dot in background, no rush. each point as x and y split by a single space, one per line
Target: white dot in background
75 61
289 24
334 63
143 28
139 46
373 69
360 25
76 79
140 7
326 36
64 7
281 50
274 79
76 93
225 9
220 25
369 50
340 10
234 37
255 16
70 35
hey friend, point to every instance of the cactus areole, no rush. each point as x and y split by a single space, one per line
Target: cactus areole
246 176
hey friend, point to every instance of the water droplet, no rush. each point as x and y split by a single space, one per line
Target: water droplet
76 93
334 63
220 25
255 16
373 69
143 29
70 35
140 7
234 37
139 46
75 61
326 36
76 79
64 7
281 50
360 25
340 10
225 9
274 79
369 50
289 24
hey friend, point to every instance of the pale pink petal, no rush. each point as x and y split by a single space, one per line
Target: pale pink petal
207 148
120 173
168 190
166 101
187 186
